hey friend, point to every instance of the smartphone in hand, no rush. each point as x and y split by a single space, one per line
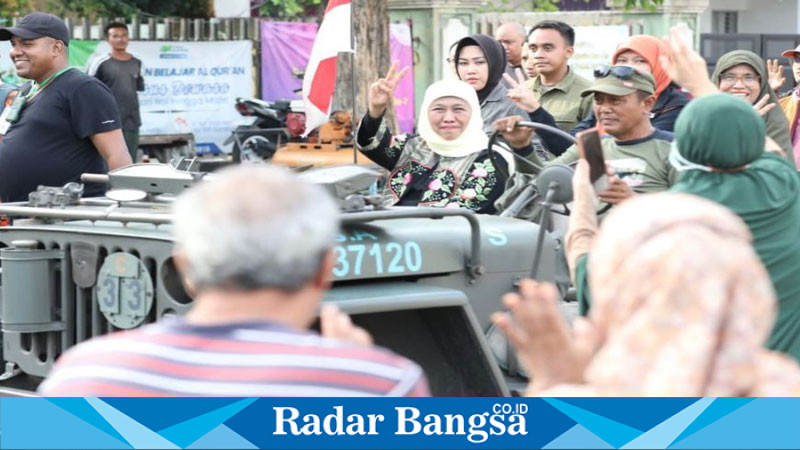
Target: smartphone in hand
590 149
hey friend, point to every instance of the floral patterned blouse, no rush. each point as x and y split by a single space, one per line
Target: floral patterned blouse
418 176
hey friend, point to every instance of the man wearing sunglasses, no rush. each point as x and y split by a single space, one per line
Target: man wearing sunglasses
789 103
636 153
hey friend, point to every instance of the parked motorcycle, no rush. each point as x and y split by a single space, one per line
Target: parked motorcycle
276 123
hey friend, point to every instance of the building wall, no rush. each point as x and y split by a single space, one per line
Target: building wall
639 22
757 16
770 16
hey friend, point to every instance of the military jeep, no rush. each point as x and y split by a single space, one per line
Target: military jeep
423 281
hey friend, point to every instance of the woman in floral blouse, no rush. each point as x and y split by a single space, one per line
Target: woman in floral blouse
447 165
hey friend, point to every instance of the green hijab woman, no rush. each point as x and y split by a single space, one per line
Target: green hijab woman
719 151
743 73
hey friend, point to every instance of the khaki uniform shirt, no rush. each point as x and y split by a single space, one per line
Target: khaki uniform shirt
563 101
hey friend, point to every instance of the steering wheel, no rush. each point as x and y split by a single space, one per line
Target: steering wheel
535 125
530 190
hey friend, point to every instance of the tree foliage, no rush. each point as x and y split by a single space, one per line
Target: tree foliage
289 9
645 4
10 8
127 8
276 9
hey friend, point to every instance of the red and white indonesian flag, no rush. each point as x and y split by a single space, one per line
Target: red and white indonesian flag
319 81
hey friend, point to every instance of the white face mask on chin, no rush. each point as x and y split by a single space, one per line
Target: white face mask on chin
682 164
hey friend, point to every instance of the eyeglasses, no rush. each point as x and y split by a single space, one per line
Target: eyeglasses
621 72
731 79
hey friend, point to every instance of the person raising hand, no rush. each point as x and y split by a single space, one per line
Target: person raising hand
448 164
381 92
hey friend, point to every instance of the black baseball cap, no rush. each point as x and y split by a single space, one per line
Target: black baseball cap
36 25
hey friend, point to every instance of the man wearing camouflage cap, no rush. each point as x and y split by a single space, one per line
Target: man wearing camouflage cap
637 153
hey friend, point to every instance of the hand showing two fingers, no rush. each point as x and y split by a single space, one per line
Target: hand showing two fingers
381 92
762 106
520 94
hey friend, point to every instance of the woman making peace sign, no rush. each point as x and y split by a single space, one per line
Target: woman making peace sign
448 164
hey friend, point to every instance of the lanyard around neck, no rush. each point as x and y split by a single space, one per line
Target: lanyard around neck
39 87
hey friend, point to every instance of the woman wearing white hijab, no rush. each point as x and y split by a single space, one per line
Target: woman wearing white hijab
448 164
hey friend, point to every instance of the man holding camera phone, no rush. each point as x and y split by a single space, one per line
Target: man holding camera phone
636 154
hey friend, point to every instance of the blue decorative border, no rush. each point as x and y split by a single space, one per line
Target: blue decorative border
445 423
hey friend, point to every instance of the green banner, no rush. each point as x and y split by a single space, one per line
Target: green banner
81 52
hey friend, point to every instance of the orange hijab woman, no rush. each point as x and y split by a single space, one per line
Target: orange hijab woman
642 52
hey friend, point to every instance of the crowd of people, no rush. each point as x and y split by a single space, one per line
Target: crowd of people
689 286
687 290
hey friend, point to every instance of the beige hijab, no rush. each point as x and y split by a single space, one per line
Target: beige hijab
682 305
472 140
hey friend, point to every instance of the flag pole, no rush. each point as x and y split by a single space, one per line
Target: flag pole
353 128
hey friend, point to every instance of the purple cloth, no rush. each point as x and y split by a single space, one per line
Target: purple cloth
286 46
400 43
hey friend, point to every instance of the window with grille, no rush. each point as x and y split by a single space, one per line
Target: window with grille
724 22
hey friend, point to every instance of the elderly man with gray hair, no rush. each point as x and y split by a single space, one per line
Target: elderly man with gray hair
512 37
254 247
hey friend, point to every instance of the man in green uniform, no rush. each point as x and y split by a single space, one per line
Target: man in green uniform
558 88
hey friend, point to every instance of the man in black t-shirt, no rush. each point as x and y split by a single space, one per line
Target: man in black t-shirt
67 123
121 72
